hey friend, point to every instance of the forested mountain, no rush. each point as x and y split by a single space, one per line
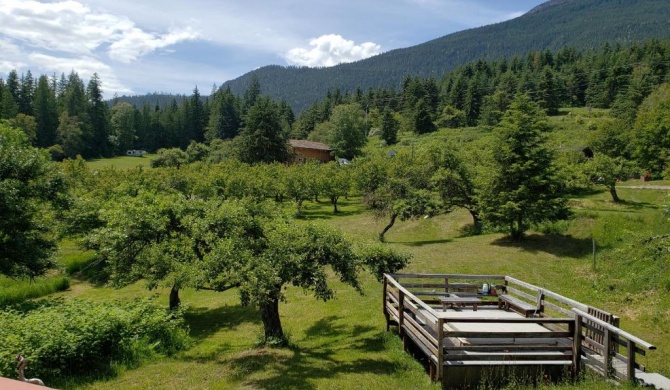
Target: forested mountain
580 24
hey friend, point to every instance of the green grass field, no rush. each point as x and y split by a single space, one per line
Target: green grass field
342 344
122 162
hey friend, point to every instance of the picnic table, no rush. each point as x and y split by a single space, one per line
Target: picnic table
453 300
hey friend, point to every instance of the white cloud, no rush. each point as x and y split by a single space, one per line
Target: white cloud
330 50
9 56
71 27
135 43
84 66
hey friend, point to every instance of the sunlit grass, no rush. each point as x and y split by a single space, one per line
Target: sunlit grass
121 162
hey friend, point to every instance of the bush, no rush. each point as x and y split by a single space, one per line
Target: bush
78 337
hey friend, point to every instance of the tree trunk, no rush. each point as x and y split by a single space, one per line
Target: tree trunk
517 228
476 222
333 200
174 298
615 196
386 229
271 322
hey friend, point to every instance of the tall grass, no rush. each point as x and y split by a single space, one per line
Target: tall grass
18 290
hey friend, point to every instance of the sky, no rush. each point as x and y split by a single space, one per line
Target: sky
144 46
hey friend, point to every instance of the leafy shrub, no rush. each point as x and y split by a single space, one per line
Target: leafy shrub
79 337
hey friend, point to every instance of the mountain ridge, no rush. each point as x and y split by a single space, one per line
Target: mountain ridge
581 24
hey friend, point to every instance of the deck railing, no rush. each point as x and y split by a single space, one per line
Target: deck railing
573 333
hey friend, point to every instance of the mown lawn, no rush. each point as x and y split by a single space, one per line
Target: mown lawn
342 344
121 162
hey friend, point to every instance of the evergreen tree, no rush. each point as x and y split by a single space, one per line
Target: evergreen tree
14 85
524 189
98 114
262 139
26 94
46 114
9 108
390 126
224 119
252 93
196 117
423 123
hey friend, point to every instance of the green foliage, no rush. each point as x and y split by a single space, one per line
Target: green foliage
262 139
31 189
349 130
607 171
381 259
390 127
651 141
524 189
76 337
173 157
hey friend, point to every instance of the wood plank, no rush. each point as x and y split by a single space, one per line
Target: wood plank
515 335
508 363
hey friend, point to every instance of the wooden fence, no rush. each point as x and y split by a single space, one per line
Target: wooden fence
563 332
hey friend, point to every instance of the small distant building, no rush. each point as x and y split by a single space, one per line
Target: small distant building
136 153
302 151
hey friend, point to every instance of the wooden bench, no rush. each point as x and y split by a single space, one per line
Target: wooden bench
507 301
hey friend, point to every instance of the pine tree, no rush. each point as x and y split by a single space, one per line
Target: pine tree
423 123
26 93
98 113
390 126
262 139
46 115
524 188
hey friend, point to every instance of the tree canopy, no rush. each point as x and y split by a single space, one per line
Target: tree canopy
30 185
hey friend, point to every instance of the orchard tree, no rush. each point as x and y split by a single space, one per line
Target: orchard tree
30 189
607 171
167 239
336 182
396 187
458 181
299 257
524 187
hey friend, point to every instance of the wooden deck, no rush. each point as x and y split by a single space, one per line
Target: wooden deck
462 345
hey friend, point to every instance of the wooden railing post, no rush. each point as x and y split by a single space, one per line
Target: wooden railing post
384 299
440 348
577 346
401 310
607 354
631 360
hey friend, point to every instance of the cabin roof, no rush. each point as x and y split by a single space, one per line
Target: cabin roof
300 143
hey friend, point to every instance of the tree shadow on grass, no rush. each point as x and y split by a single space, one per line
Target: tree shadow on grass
204 322
326 214
562 246
420 243
298 367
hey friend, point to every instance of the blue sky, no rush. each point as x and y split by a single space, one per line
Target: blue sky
145 46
